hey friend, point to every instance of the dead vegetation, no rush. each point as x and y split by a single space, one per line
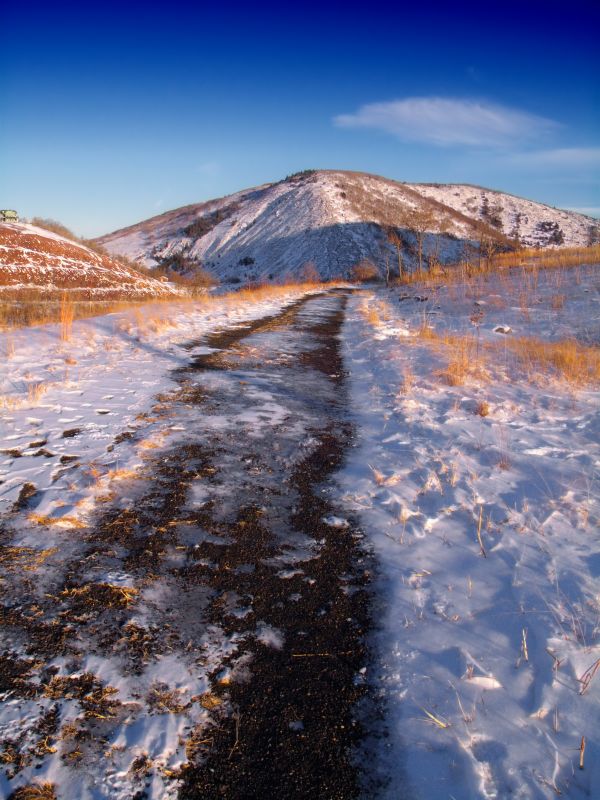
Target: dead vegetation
463 355
478 263
467 358
566 359
96 700
40 307
103 595
35 791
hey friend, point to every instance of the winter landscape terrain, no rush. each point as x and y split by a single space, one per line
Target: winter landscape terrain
334 220
330 540
32 258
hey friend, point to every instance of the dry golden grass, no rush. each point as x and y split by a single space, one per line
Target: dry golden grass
483 408
69 522
566 359
40 307
122 474
105 594
408 381
376 312
464 356
163 700
35 791
67 312
35 392
549 259
9 343
528 260
25 558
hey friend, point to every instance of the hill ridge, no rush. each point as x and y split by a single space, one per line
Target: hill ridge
335 218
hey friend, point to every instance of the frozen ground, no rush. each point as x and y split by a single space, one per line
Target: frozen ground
64 402
167 601
183 603
484 664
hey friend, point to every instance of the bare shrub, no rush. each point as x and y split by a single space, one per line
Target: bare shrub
309 273
364 272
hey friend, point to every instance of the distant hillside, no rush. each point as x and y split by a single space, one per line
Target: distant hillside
35 258
335 219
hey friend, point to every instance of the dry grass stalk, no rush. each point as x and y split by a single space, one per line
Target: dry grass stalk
42 306
166 701
479 537
464 357
25 558
437 721
582 752
9 344
588 676
408 381
35 392
67 313
67 521
524 649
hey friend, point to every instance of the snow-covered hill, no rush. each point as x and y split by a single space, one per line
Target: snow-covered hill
533 224
35 258
335 219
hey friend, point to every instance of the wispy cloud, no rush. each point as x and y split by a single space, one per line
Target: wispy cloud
447 121
560 157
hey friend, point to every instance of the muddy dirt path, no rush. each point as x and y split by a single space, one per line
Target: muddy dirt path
295 573
217 607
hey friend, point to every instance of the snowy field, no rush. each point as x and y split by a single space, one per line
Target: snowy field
82 422
63 402
474 476
482 500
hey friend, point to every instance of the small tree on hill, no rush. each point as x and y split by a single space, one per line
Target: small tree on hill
419 221
396 242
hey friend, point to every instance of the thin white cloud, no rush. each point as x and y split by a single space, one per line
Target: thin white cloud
447 121
561 157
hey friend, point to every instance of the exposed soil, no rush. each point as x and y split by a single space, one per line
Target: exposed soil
294 722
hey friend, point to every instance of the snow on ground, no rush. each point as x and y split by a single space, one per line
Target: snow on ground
480 498
484 663
529 221
79 419
35 258
62 403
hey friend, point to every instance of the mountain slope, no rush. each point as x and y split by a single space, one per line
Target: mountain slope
35 258
533 224
335 219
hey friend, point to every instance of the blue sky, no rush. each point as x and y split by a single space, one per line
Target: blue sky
111 113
